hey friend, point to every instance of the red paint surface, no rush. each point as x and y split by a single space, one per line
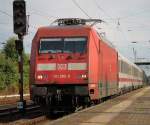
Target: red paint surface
44 58
101 59
103 64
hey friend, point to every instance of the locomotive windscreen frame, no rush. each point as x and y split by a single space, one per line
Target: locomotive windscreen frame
63 45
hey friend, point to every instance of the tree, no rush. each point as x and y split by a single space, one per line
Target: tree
8 71
9 49
2 75
9 66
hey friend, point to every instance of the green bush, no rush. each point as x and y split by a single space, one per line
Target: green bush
9 67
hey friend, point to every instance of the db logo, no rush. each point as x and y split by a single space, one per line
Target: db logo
61 66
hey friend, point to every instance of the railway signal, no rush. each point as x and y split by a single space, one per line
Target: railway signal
19 19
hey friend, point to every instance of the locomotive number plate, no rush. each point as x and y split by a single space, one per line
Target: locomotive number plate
62 76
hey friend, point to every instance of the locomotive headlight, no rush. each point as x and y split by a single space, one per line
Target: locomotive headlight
42 76
83 76
39 77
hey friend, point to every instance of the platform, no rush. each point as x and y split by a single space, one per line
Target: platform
129 109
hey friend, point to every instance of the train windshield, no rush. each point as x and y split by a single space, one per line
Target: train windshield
53 45
63 45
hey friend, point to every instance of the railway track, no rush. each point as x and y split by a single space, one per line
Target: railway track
9 113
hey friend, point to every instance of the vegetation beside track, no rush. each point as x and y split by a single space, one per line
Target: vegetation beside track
9 68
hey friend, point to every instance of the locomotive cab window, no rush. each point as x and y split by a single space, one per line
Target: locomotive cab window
77 45
63 45
51 45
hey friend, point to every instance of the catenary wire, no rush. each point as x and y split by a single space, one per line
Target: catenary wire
75 2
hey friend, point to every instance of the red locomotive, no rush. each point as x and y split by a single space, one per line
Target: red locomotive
71 65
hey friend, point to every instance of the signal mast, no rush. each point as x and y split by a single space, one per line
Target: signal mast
19 22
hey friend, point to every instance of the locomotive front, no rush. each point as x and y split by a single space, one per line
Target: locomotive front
59 67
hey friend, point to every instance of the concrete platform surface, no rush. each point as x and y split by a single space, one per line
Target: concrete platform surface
129 109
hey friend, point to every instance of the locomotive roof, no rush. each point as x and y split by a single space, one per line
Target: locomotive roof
65 27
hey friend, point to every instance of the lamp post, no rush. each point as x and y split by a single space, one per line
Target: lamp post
134 51
134 54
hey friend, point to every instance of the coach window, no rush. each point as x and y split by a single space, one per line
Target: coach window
123 67
130 70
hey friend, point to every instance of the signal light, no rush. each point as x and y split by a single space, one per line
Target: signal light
19 17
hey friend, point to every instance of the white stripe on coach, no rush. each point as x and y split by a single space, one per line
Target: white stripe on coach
128 84
123 75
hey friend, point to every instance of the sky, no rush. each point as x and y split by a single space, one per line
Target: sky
126 21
